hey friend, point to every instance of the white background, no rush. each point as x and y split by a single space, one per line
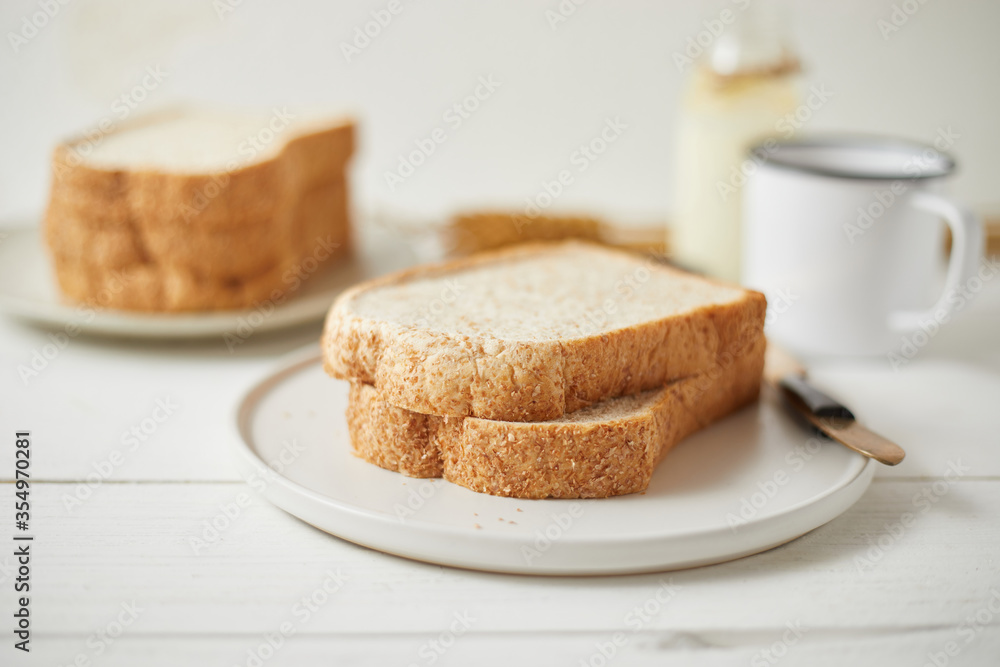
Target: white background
941 69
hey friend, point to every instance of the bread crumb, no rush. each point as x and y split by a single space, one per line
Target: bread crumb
518 509
477 526
513 522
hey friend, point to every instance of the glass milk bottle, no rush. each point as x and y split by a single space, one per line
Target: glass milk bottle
740 90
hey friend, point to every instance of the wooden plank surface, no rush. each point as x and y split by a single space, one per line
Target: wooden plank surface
652 648
133 542
869 591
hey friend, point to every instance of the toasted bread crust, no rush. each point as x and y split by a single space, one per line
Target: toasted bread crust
458 375
591 459
488 230
170 241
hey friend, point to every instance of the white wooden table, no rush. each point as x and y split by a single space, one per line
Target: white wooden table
116 579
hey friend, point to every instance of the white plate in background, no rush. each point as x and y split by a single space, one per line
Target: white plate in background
28 290
748 483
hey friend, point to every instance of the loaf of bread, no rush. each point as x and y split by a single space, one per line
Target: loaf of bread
475 231
185 210
533 332
470 233
610 448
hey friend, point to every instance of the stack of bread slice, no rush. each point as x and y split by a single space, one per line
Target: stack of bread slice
188 210
563 370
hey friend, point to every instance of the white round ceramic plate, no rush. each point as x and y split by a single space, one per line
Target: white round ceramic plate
28 290
748 483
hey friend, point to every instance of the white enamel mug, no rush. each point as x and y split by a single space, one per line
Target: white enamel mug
843 235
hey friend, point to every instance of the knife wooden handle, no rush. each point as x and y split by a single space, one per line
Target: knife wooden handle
818 403
850 433
822 412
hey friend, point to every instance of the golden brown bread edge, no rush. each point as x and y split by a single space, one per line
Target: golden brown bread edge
551 459
228 199
470 232
107 270
479 376
153 241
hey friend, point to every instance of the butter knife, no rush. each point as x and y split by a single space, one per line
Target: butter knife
824 413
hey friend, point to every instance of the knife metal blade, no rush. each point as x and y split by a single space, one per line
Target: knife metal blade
824 413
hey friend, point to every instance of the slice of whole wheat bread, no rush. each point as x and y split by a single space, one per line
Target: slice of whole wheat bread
608 449
533 332
194 210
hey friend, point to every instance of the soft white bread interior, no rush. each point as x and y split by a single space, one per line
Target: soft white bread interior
533 332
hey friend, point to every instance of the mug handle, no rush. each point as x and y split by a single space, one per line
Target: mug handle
966 251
